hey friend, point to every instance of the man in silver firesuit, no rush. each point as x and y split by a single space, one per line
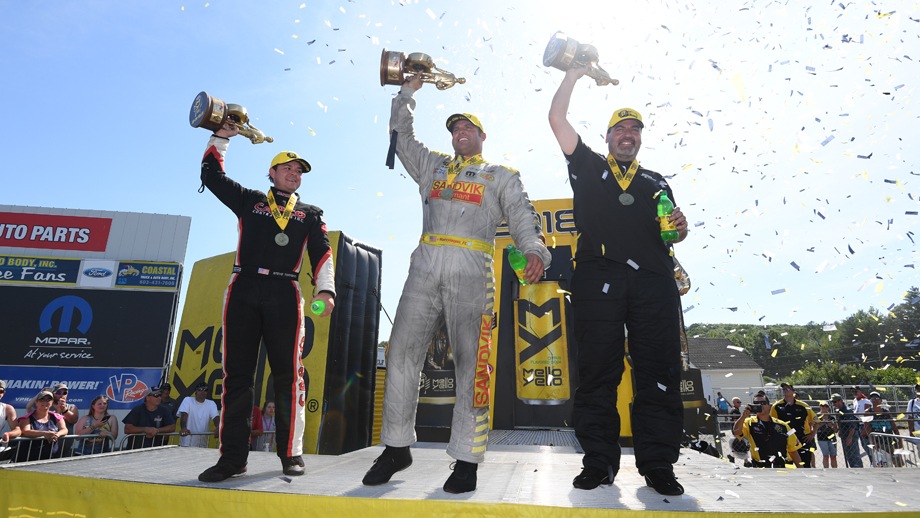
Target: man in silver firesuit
464 199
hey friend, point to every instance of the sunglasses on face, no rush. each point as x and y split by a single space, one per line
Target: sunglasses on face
155 395
761 402
61 392
45 399
2 391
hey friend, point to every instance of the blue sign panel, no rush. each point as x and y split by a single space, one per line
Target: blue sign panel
125 388
141 274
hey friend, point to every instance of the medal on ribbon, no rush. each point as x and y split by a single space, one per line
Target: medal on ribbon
623 179
282 219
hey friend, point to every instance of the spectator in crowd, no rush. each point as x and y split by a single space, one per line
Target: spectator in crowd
149 419
255 427
913 413
736 406
848 429
772 442
826 433
9 426
167 402
861 405
801 418
722 403
881 422
99 423
42 423
59 405
195 415
266 442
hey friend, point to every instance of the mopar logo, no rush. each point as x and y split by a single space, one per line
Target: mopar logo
97 272
69 306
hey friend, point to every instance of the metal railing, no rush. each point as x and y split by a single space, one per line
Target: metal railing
134 441
27 449
894 451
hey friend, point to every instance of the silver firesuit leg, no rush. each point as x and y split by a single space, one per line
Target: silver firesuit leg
450 277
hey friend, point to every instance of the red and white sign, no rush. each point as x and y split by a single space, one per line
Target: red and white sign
22 230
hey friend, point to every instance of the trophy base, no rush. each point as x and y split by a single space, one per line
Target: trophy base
391 67
560 52
207 112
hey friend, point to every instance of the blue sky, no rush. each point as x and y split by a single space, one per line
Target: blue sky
787 130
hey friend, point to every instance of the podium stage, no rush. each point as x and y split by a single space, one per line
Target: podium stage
515 481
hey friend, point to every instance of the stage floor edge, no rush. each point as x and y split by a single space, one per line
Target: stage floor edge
514 481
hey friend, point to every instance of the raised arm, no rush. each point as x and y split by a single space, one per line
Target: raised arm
558 110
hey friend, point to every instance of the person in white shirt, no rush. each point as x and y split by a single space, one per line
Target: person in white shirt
861 405
194 415
913 414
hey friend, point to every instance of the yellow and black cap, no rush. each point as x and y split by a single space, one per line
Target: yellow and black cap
289 156
625 114
463 117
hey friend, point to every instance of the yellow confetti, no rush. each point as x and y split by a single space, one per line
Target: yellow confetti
311 131
603 250
775 352
879 287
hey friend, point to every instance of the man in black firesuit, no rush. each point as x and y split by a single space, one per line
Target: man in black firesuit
263 302
624 281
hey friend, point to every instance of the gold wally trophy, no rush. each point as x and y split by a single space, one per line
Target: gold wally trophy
394 66
211 113
564 53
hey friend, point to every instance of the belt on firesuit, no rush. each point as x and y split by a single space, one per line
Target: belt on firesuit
253 270
461 242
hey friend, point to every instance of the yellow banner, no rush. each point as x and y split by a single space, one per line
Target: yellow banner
541 346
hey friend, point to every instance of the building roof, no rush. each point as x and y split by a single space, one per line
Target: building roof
719 353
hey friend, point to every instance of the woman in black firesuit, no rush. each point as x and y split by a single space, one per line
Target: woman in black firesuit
263 302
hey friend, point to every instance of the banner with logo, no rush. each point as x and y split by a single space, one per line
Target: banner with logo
55 232
145 274
52 271
124 387
85 327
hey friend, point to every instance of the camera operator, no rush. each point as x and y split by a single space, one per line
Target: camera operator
772 441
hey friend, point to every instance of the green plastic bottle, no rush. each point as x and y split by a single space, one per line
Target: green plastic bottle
665 208
318 307
518 262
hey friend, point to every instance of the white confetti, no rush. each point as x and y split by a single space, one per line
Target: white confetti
662 387
633 264
605 288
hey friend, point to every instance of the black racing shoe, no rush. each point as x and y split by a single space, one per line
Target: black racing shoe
463 479
220 472
389 462
591 477
664 481
292 466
